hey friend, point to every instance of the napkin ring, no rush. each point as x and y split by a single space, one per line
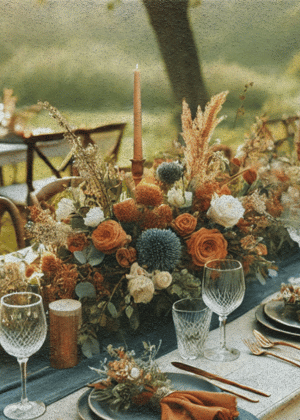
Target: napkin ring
159 394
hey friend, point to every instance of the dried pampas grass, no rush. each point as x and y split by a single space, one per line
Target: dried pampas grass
197 134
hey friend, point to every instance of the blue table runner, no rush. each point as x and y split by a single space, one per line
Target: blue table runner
47 384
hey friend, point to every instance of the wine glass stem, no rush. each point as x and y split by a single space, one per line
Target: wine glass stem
222 320
23 367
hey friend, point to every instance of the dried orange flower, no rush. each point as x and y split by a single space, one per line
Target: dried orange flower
204 193
185 224
261 249
50 262
244 225
160 217
248 242
30 269
35 213
205 245
148 195
126 211
126 256
274 207
77 242
281 176
109 236
248 261
250 176
165 212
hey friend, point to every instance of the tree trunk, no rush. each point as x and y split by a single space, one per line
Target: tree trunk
169 19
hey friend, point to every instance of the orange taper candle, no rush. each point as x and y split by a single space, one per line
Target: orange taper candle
137 114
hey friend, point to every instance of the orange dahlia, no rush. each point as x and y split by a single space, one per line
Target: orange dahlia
126 211
160 217
148 195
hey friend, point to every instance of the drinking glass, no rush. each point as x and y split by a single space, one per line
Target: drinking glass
23 330
223 291
192 320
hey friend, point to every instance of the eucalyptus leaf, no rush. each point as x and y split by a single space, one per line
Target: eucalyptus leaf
85 289
77 222
134 320
260 277
89 255
129 311
90 347
112 310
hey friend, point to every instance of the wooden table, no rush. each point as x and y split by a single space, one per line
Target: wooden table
280 379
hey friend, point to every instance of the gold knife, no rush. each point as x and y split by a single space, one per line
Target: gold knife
212 376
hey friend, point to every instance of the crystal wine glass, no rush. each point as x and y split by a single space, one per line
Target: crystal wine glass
23 330
223 291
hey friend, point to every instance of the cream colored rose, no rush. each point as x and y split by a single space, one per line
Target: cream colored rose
225 210
141 288
177 199
94 217
162 279
64 208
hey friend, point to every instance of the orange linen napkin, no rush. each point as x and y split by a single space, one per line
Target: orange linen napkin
189 405
194 405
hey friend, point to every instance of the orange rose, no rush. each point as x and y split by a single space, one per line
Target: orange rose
185 224
205 245
126 256
109 236
77 242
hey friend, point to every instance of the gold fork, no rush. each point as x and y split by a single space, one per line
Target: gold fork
258 351
267 343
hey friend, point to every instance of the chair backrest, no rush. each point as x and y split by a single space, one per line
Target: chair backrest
7 205
55 187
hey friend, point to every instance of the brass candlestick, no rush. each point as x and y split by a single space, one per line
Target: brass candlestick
137 170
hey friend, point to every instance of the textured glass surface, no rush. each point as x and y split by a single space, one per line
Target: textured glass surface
192 321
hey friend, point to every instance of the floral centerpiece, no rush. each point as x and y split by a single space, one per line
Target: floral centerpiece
123 247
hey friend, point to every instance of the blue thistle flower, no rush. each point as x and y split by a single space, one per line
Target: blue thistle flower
169 172
159 249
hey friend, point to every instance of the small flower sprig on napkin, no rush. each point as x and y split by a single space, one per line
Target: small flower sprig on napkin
125 378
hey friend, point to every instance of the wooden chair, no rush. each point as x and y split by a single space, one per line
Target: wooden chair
108 138
8 206
55 187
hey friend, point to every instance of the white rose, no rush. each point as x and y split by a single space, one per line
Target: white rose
141 288
94 217
225 210
64 208
162 279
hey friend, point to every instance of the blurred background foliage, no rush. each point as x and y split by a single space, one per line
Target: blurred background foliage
80 55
